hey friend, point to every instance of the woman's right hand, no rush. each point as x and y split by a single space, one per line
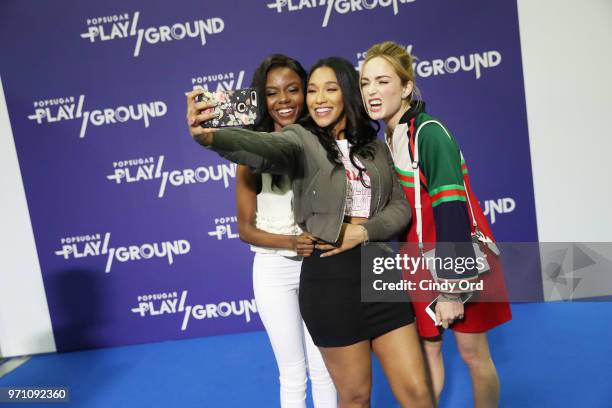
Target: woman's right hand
198 112
448 311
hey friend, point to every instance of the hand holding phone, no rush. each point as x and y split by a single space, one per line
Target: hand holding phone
431 308
232 108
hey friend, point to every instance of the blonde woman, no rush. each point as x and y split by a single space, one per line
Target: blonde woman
449 213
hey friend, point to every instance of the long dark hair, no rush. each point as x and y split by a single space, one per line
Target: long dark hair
359 130
264 122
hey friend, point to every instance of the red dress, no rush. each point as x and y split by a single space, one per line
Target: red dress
443 197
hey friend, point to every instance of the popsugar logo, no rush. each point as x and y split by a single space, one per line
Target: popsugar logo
171 303
475 62
224 81
500 206
71 108
150 168
337 6
223 228
99 244
120 26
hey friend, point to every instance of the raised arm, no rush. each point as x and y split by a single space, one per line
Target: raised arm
277 153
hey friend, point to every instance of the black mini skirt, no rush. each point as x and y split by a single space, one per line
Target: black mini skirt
331 306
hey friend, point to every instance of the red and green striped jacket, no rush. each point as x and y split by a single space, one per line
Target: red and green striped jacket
445 212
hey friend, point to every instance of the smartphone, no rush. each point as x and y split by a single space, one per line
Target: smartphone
233 108
431 308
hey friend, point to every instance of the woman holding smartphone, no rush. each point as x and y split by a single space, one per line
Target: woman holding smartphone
450 214
346 193
266 221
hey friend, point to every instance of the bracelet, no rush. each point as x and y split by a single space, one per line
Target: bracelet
450 297
366 238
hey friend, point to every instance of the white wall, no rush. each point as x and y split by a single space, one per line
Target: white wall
25 326
567 61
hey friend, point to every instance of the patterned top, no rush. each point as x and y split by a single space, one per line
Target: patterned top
358 196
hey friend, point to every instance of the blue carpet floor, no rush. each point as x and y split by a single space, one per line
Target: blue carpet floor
549 355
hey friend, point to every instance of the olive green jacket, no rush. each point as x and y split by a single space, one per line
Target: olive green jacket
319 185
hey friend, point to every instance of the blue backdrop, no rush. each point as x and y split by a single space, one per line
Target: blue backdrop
134 223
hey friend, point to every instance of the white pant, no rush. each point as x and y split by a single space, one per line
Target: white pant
275 283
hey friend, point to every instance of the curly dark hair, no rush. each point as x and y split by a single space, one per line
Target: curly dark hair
360 131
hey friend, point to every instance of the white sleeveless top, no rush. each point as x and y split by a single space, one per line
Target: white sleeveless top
275 213
357 195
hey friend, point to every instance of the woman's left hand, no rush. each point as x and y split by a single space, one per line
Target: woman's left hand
303 244
351 235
